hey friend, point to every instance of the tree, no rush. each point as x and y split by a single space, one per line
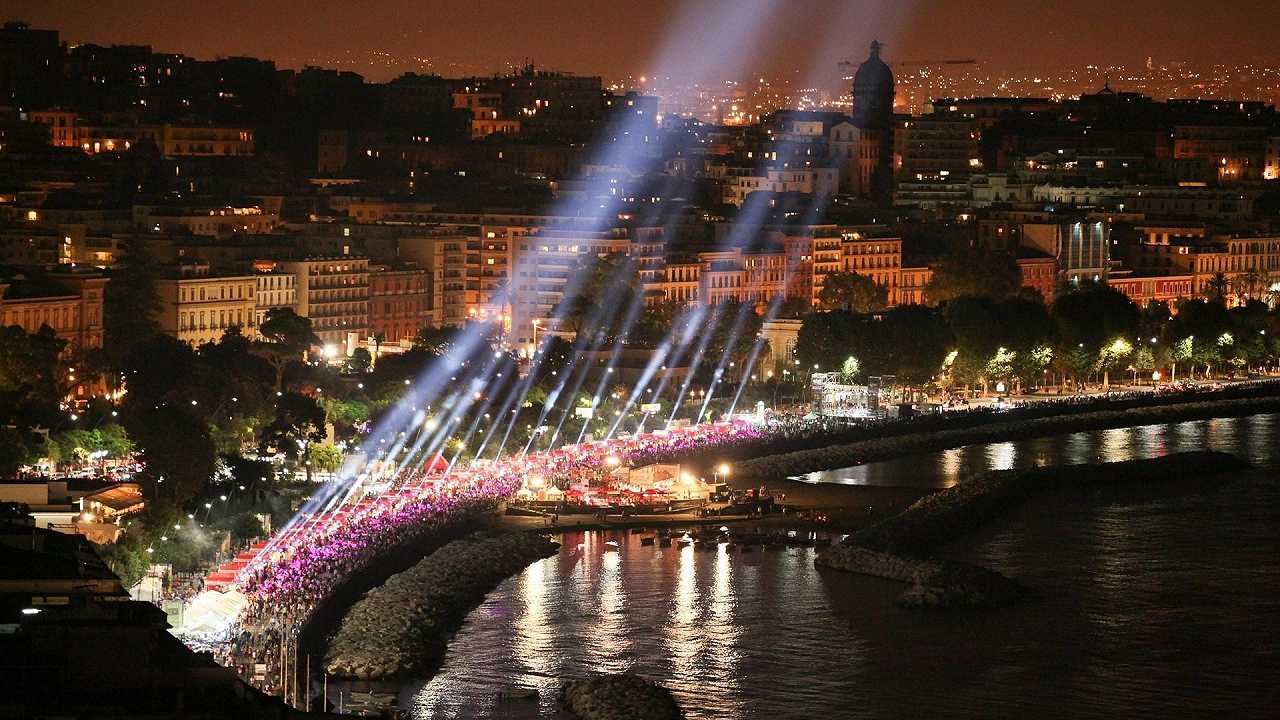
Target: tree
324 457
299 422
161 369
824 336
235 380
434 341
348 412
1089 318
973 272
1254 284
795 308
851 291
177 451
1143 361
735 331
29 392
973 324
286 339
1153 320
916 340
245 527
131 302
360 361
849 369
1112 356
114 440
1201 324
231 435
18 447
612 281
655 323
556 355
1216 288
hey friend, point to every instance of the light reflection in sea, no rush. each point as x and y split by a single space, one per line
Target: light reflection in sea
1001 456
1253 438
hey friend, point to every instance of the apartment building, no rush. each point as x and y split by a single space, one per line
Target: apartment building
274 288
399 305
334 292
198 306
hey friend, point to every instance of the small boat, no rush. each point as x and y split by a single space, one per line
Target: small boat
646 541
611 545
515 694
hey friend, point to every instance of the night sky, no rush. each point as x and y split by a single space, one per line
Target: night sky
797 37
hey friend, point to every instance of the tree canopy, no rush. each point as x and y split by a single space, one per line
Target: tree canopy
973 272
851 291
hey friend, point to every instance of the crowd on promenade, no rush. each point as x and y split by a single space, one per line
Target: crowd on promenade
313 555
795 432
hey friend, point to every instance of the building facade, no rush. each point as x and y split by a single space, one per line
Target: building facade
274 289
69 303
334 292
198 307
399 305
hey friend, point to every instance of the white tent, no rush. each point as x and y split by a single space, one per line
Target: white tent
211 612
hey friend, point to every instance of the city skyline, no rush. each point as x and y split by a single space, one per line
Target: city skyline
621 41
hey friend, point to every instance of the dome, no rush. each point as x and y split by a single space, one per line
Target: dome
873 92
873 74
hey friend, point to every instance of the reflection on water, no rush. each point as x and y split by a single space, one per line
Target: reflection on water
1144 604
1255 438
732 634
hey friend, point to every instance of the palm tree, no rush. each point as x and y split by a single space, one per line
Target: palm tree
1253 285
1216 288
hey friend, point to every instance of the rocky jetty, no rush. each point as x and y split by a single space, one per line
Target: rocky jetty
619 697
934 582
402 628
898 547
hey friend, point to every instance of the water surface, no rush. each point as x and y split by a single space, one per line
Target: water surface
1254 438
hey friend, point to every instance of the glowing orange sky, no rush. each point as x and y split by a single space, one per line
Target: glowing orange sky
616 38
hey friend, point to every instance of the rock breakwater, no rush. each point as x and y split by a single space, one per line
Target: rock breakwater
619 697
898 547
402 628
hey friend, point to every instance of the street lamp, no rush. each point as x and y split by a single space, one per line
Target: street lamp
721 472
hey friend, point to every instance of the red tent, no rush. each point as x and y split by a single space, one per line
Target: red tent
437 465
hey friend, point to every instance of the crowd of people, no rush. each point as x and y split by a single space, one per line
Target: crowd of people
313 555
